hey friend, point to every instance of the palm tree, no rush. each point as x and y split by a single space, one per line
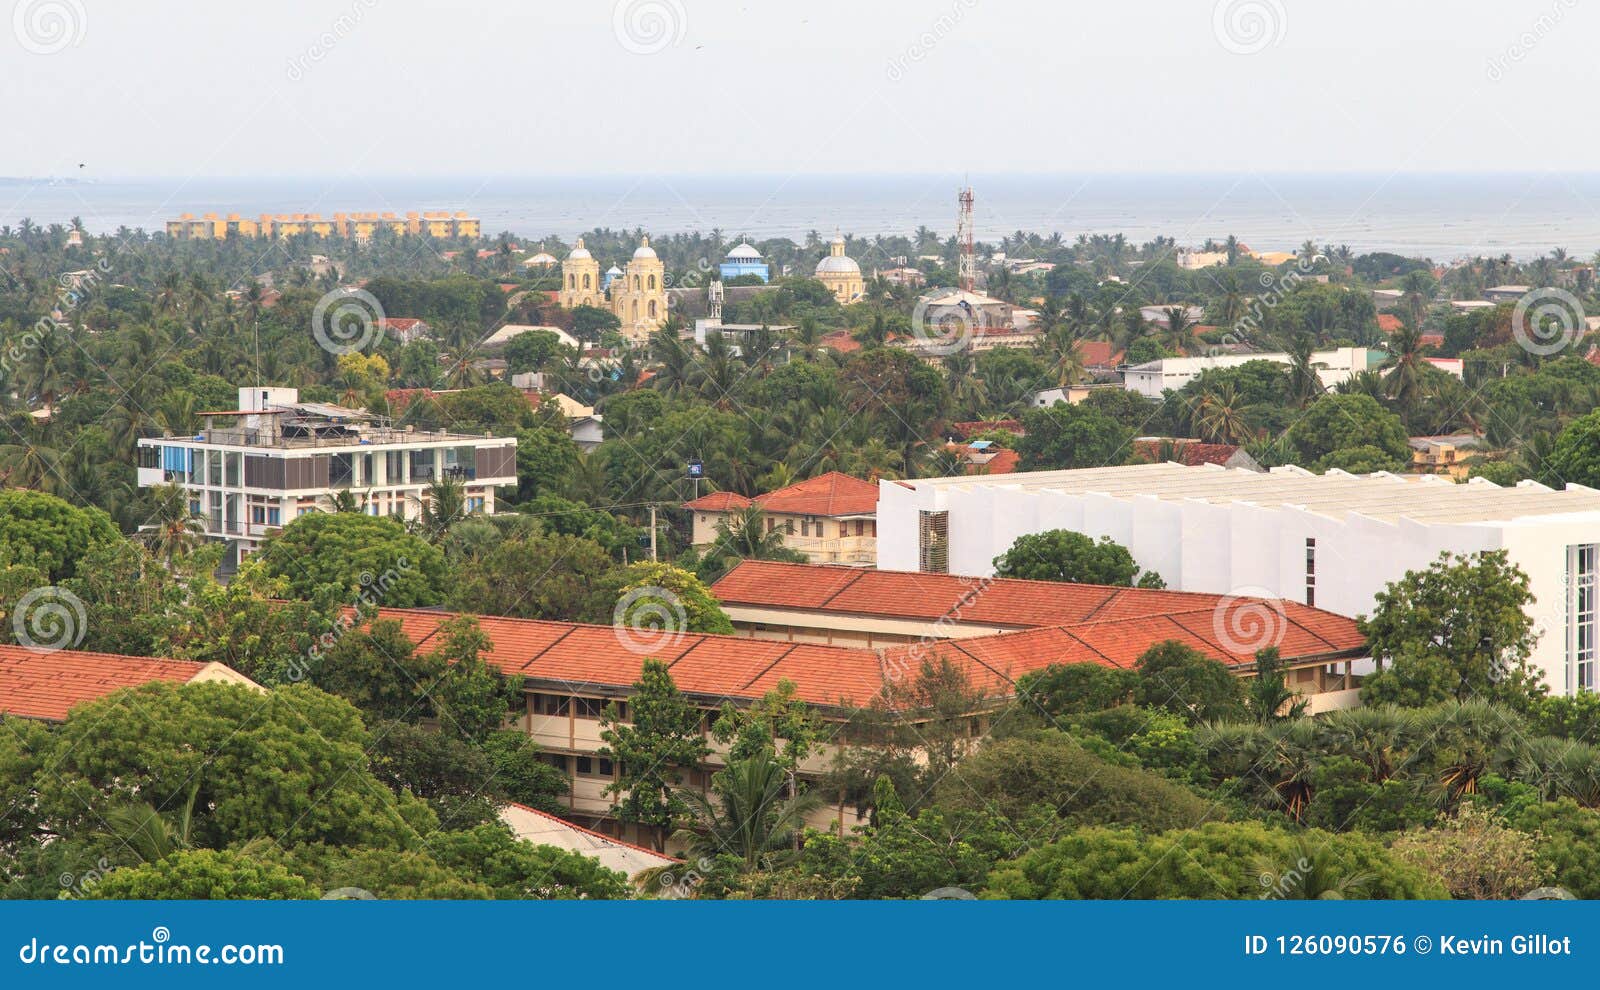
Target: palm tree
1403 383
1314 875
1178 328
1220 416
174 529
444 505
747 813
151 835
743 533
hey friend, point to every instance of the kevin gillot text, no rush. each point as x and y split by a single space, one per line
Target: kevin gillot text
1521 945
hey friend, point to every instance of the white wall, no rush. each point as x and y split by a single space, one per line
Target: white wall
1241 548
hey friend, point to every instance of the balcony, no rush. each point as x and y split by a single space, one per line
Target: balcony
856 550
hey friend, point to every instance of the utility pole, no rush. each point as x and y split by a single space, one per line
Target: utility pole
652 531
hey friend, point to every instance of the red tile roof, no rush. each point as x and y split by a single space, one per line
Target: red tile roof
1389 323
1004 461
841 341
718 502
47 685
1051 623
1099 354
831 494
1188 452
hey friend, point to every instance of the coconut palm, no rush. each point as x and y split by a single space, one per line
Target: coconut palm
748 813
1220 416
152 836
174 528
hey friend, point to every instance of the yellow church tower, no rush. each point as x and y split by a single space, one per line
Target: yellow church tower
840 273
580 279
639 295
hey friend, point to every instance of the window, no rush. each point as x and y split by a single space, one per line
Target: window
551 704
1311 571
1582 575
651 283
933 542
605 767
589 707
585 766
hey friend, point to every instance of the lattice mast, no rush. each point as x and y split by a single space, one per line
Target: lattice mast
967 266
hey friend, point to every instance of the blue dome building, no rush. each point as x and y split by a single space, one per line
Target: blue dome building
744 260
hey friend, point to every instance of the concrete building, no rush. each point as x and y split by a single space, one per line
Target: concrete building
571 672
831 518
1333 541
840 273
980 619
1153 378
251 471
1506 293
359 226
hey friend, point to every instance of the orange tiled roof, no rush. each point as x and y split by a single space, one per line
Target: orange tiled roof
47 685
831 494
718 502
1189 452
1069 624
1099 354
1004 461
1389 323
841 341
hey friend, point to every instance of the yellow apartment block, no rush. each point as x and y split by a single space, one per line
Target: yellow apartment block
359 226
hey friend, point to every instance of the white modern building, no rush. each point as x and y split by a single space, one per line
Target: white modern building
252 470
1155 377
1333 541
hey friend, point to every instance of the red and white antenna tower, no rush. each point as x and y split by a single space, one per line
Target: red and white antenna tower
967 266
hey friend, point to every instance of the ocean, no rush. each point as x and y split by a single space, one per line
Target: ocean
1440 216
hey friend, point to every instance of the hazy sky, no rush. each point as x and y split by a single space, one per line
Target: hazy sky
406 87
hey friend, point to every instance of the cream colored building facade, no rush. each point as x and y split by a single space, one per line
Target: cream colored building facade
840 273
637 297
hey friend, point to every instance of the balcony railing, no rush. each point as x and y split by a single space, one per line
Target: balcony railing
265 438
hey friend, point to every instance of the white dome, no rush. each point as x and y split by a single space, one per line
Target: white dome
838 264
745 252
579 252
645 251
613 270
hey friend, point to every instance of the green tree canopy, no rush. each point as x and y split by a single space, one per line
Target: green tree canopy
1064 555
1065 436
1340 422
1458 629
49 533
358 554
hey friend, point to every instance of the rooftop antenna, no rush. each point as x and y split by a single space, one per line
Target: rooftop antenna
967 266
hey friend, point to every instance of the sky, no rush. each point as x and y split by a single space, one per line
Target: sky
470 87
